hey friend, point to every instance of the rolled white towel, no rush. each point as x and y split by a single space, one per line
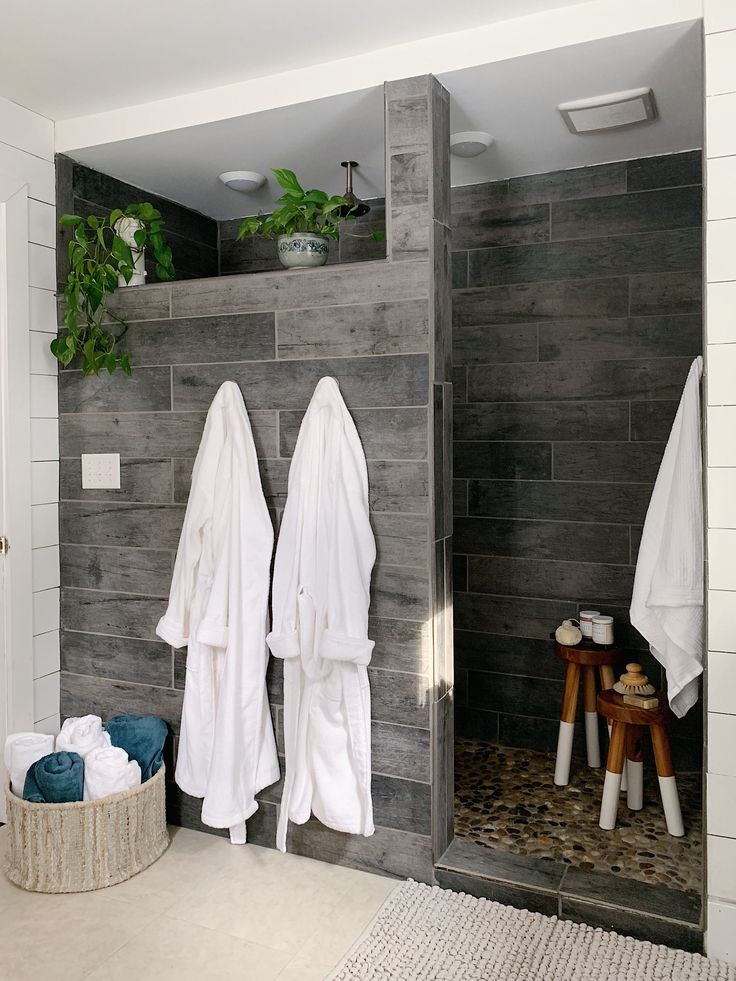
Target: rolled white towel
22 749
81 735
107 770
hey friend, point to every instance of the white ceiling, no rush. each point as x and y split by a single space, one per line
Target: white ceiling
514 100
68 60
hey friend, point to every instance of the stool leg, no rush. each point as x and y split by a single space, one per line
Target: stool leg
634 768
607 681
592 741
667 782
612 783
567 725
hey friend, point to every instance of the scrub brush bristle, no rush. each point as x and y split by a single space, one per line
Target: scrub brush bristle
634 682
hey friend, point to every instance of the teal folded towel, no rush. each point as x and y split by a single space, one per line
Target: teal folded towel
55 779
142 737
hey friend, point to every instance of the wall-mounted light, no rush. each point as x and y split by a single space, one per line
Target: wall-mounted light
245 181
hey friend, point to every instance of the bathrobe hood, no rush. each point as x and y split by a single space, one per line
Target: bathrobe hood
321 595
218 609
668 596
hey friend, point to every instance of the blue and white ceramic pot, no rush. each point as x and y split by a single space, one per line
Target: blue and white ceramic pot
302 250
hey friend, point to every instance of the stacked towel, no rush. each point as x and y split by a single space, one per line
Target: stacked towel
142 737
55 779
107 770
82 735
21 750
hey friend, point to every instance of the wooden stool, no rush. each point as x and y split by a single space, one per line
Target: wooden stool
629 723
588 656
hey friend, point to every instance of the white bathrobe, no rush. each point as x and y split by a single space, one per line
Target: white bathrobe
668 596
218 607
321 593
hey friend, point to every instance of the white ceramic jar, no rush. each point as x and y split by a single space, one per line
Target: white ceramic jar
586 622
602 630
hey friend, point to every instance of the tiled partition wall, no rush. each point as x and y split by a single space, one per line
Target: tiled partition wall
576 314
382 329
720 267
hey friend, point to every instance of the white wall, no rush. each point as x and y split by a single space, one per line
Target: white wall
27 155
720 334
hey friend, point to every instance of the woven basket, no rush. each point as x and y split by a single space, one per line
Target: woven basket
86 845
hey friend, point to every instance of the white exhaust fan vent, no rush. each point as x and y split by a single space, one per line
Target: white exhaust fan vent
609 111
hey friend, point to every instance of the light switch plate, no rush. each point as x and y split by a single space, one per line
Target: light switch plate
101 471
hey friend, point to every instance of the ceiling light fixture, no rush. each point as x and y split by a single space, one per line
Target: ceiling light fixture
470 143
245 181
609 111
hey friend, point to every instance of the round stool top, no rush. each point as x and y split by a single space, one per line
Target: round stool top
612 705
586 652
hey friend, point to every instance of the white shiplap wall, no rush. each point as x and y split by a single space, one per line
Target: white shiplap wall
720 273
27 155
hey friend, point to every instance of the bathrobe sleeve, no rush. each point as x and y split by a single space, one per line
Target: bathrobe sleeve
174 625
213 627
352 552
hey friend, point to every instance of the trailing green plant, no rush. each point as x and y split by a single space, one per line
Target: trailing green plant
97 256
301 211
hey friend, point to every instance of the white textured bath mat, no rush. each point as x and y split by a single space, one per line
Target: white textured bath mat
424 933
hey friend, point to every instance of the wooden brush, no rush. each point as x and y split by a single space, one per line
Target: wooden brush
634 682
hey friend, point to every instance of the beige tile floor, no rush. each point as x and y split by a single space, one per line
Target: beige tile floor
207 910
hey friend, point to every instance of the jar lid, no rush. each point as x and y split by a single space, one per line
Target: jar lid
602 619
589 614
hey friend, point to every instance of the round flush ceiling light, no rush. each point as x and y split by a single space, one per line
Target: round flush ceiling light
243 180
470 144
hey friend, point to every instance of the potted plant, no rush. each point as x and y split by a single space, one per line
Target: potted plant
106 252
303 222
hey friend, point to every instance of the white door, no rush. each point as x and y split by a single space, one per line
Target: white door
16 606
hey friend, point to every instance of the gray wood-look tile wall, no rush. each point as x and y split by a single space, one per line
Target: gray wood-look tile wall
576 314
374 326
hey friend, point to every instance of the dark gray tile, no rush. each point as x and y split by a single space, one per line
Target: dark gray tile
515 694
571 541
85 695
366 329
151 436
474 723
631 894
397 485
520 870
537 420
401 539
635 540
499 892
409 172
133 303
560 185
141 525
400 751
460 496
460 572
645 378
410 232
477 197
407 111
558 500
459 270
636 337
609 463
653 420
180 668
667 293
459 383
556 580
147 390
386 434
126 570
620 255
399 697
442 432
502 460
144 481
399 592
142 661
528 303
528 656
252 255
623 214
401 804
443 773
119 614
439 113
533 732
513 616
401 645
653 929
193 340
364 382
494 343
356 243
295 289
668 170
500 226
441 305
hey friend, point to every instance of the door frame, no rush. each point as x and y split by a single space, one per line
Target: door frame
16 584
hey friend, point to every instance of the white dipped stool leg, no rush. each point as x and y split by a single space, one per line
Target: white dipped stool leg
612 783
667 782
567 725
624 780
592 739
635 789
